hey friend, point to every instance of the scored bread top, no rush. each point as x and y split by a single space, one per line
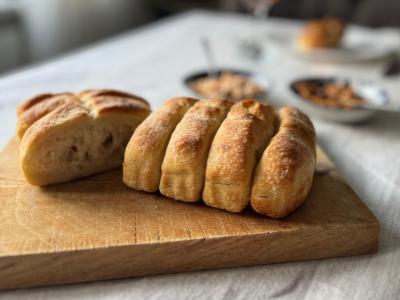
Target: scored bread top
68 112
97 102
293 144
109 92
249 123
298 124
145 151
196 122
37 107
40 99
187 138
234 153
186 155
152 130
250 108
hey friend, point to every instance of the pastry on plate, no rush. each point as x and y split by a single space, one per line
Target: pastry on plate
321 33
284 174
234 153
184 164
76 135
146 148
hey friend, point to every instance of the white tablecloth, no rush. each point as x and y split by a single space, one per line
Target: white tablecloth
152 62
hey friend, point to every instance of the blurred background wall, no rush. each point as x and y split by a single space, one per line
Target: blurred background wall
35 30
53 26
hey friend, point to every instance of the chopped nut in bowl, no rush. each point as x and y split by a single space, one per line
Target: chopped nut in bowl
229 84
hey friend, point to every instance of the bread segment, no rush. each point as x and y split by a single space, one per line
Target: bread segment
37 107
78 138
146 148
284 174
235 150
185 159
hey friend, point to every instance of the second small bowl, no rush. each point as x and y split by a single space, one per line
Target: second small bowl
370 92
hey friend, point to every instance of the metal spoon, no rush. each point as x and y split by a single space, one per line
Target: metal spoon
209 56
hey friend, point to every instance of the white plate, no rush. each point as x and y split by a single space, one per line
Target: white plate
357 45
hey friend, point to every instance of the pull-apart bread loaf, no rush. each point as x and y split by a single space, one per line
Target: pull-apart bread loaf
68 136
227 155
184 164
235 151
284 174
146 148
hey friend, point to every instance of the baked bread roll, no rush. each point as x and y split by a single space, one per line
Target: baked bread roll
182 171
235 150
284 174
81 137
322 33
146 148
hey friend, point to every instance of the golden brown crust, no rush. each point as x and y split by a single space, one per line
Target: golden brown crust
99 102
186 155
66 112
105 104
110 93
25 105
297 122
36 108
284 174
234 152
146 149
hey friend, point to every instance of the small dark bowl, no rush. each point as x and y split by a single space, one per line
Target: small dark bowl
258 78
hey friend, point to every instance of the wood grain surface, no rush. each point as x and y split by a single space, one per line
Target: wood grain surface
96 229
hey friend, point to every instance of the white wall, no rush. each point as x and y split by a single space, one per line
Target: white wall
9 46
9 43
56 26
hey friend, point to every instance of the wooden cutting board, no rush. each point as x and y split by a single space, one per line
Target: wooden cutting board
96 229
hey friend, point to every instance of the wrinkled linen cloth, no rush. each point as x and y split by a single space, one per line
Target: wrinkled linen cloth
152 61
